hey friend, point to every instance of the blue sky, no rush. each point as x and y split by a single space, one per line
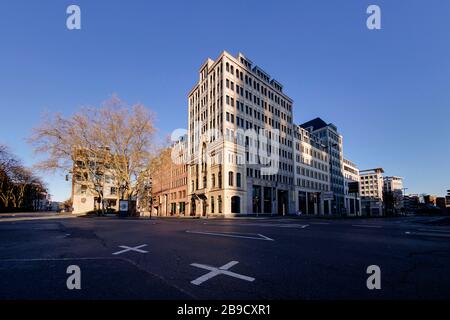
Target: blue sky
388 91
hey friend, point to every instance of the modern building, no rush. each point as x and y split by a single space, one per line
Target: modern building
392 183
352 188
240 142
333 140
411 203
312 176
430 199
393 195
372 191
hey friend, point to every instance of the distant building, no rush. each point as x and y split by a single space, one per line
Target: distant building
430 199
440 203
392 183
447 199
393 195
333 140
352 188
169 182
42 201
411 203
372 191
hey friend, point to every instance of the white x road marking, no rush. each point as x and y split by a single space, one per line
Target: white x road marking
127 248
213 271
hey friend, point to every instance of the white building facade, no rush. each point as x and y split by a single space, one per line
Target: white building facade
333 140
352 188
372 191
312 178
232 170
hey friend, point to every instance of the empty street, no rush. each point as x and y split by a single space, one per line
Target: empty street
266 258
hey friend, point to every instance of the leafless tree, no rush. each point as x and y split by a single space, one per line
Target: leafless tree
114 138
19 186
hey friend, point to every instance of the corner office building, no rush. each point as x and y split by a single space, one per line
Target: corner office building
226 175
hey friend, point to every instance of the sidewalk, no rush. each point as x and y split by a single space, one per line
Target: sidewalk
29 216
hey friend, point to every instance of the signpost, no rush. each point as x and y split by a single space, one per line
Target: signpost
123 208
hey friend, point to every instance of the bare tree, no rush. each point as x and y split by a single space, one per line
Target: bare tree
114 138
19 187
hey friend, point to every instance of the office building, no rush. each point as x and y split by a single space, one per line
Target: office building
312 177
169 181
393 195
352 188
333 140
93 182
372 191
240 141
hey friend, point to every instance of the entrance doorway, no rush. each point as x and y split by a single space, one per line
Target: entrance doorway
283 208
235 204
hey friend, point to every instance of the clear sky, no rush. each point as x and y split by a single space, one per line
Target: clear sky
388 90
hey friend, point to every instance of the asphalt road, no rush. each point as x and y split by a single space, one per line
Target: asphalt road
259 258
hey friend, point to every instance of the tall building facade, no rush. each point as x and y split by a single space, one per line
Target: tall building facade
169 182
312 176
372 191
333 140
240 142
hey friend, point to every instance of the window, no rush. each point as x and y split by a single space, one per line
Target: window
238 180
213 181
113 191
212 204
219 203
230 178
235 204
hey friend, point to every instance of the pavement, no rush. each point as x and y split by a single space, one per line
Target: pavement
223 258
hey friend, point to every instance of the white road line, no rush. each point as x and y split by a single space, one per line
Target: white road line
319 223
365 226
276 225
233 235
127 248
429 234
213 271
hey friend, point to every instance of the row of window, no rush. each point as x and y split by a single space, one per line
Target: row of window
257 86
256 100
312 184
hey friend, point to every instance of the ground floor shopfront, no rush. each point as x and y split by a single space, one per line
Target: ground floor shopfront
311 202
